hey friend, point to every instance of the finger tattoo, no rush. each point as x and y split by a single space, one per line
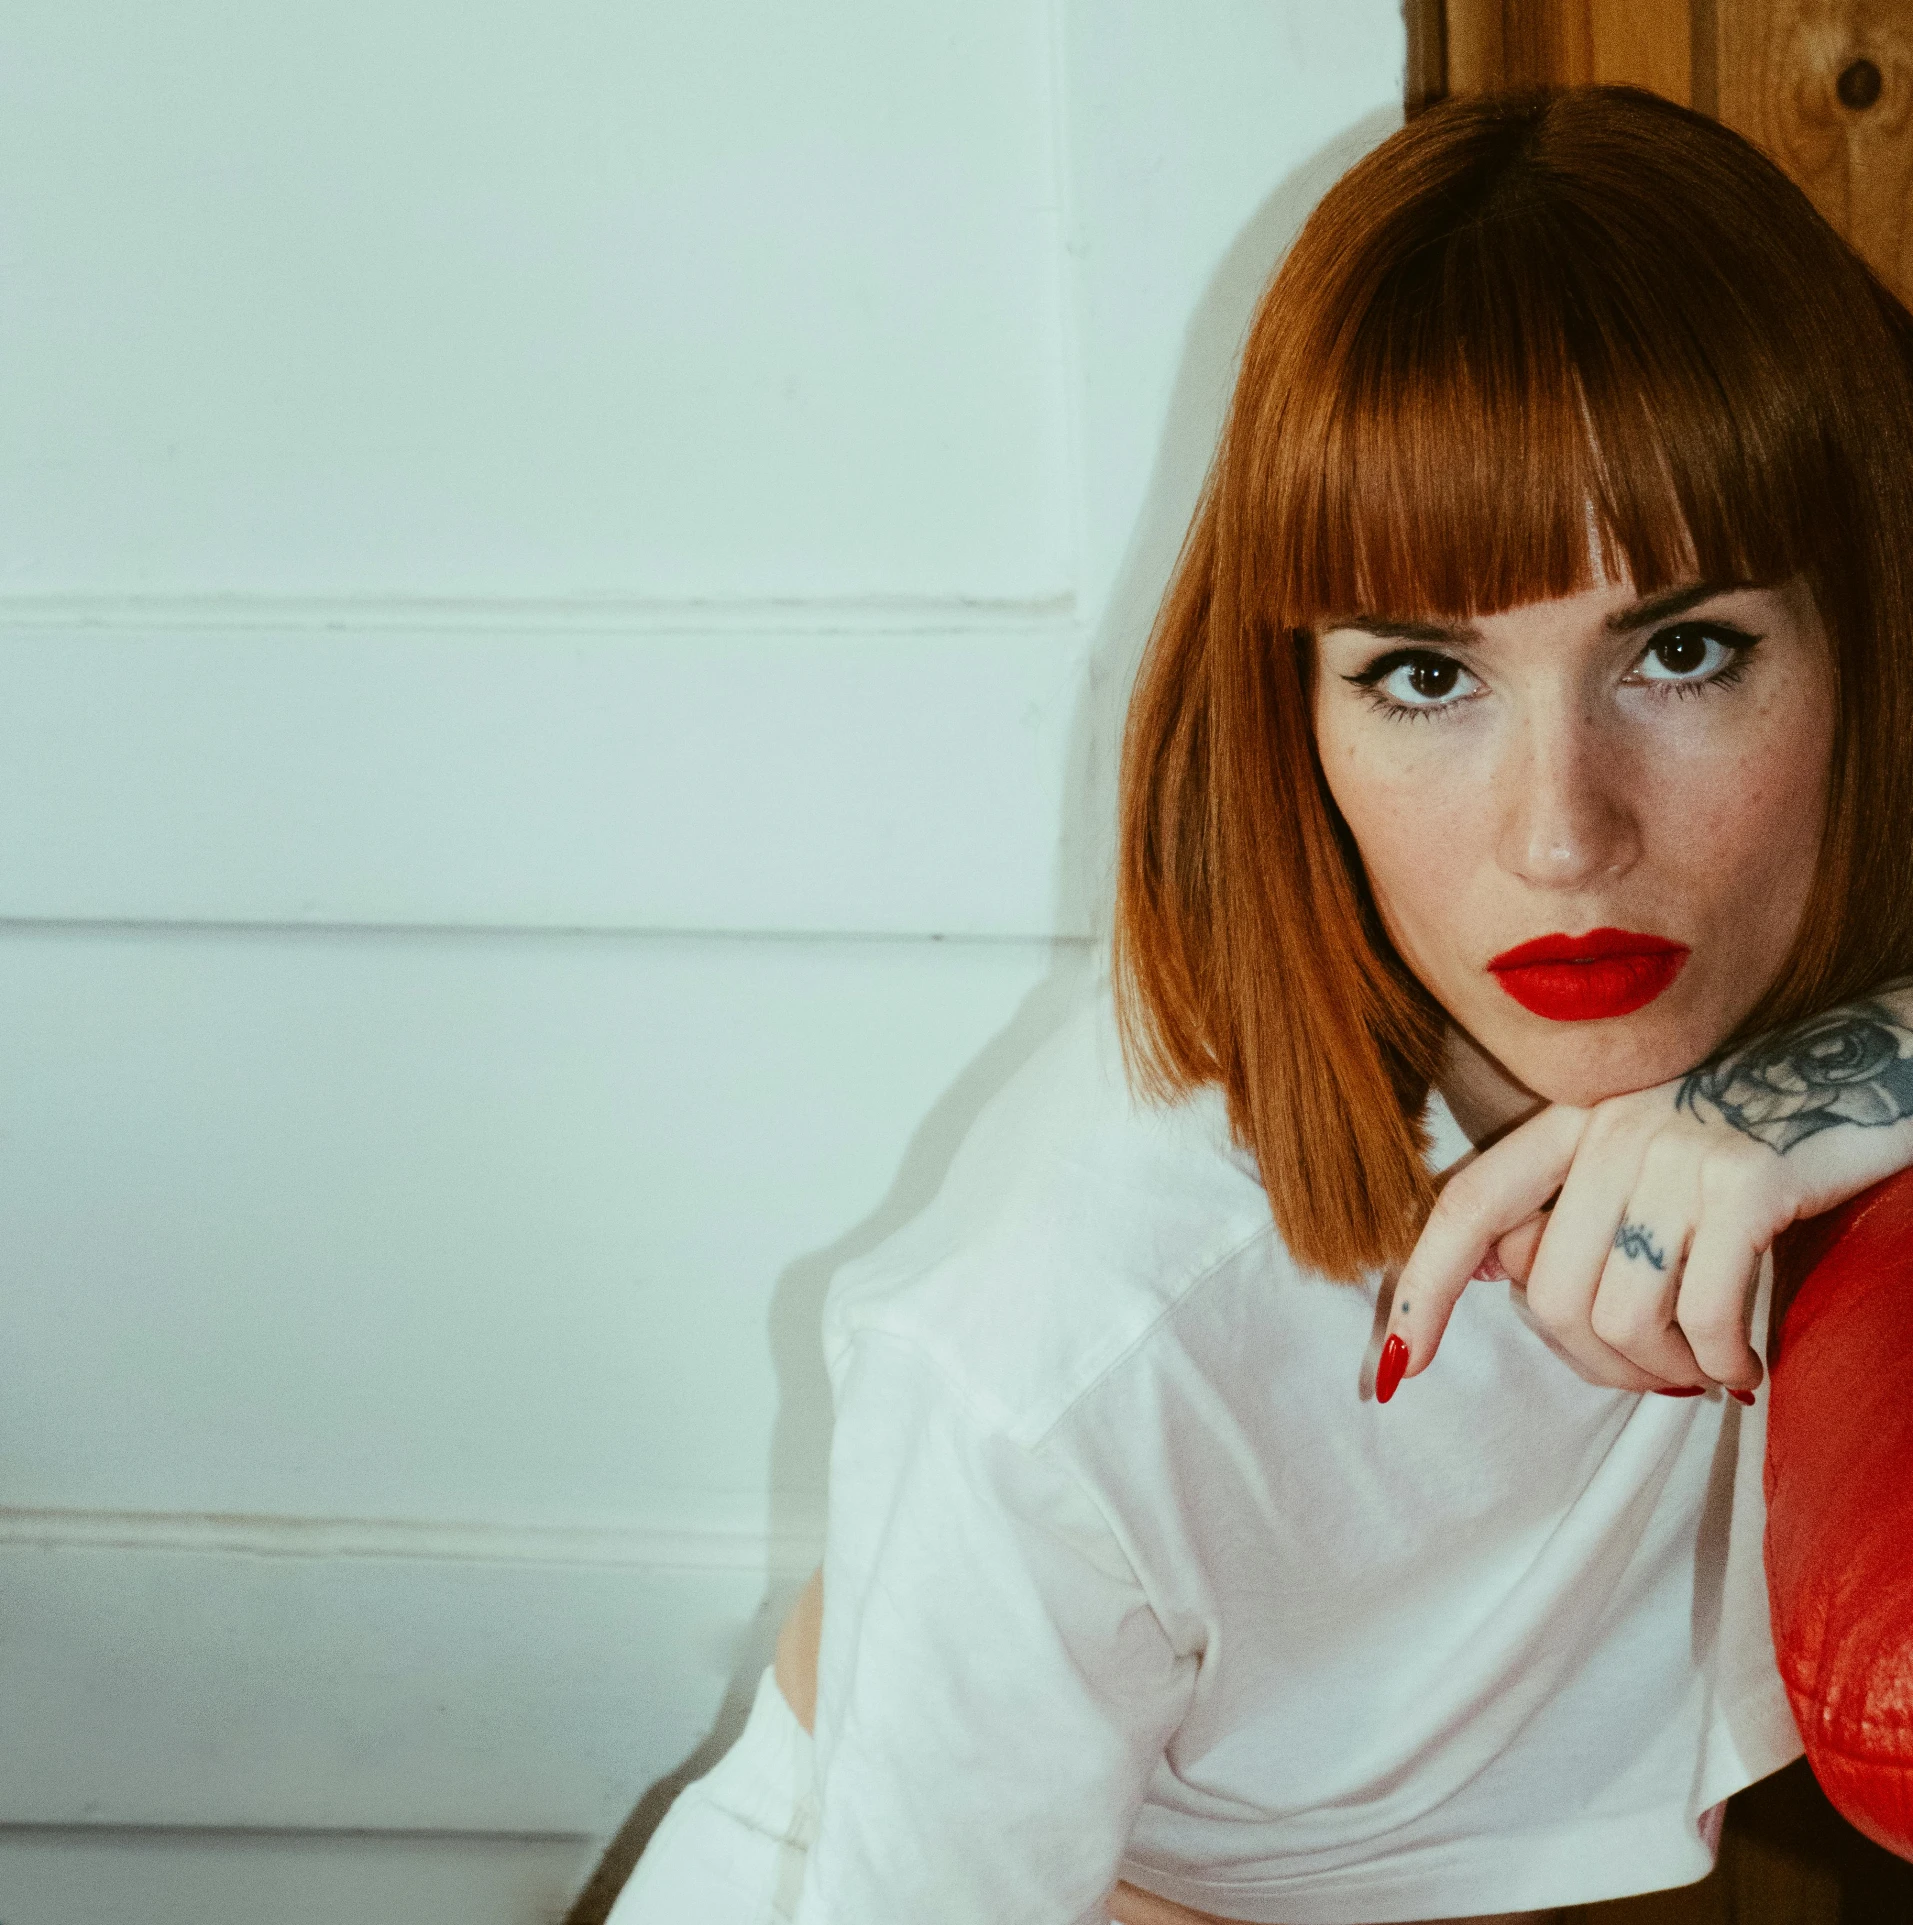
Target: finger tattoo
1633 1240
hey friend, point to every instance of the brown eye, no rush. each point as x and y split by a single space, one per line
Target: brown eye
1416 681
1432 676
1681 650
1695 654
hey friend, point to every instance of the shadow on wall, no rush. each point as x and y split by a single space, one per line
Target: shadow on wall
800 1441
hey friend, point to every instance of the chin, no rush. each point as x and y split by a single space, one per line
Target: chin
1583 1065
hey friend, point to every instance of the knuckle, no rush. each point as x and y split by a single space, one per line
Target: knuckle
1622 1325
1460 1209
1616 1373
1609 1329
1711 1331
1729 1175
1626 1103
1667 1154
1609 1123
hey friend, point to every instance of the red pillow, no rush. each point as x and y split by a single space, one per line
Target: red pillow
1839 1480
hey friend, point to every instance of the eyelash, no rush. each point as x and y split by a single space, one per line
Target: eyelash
1739 643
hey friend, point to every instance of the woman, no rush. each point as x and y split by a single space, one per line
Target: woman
1523 730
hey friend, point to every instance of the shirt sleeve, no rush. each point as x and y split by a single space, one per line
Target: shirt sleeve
994 1690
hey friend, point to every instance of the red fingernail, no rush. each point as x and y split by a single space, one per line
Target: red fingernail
1388 1370
1741 1396
1683 1391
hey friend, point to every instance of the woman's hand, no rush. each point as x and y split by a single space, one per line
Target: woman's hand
1664 1202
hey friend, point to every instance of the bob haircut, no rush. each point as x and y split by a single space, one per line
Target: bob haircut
1523 328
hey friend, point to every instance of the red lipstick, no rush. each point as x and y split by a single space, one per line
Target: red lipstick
1580 979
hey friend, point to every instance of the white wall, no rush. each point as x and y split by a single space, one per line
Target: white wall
566 574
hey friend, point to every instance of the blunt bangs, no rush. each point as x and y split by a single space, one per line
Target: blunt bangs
1526 370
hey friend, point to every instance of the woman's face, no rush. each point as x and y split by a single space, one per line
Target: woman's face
1646 774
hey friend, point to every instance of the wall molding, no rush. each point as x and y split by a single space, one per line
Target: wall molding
783 1551
265 928
353 1675
224 614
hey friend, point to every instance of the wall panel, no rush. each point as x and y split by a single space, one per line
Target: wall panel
509 299
814 779
472 1227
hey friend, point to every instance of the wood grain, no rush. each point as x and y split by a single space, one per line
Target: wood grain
1426 77
1493 45
1779 64
1642 43
1477 63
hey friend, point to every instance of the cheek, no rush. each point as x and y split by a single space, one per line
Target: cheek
1423 834
1747 827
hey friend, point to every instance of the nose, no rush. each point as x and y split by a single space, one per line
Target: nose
1568 803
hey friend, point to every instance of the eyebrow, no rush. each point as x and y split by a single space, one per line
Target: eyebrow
1394 631
1657 608
1641 614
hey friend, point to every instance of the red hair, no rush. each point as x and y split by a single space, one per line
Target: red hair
1516 321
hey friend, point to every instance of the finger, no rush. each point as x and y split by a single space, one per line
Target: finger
1723 1271
1566 1274
1633 1307
1499 1190
1716 1306
1516 1249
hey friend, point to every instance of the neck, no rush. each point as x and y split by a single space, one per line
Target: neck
1481 1096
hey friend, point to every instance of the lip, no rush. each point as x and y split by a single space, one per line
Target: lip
1583 979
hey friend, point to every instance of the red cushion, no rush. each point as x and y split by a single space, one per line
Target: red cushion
1840 1503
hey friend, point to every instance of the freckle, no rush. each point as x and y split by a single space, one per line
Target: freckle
1401 1309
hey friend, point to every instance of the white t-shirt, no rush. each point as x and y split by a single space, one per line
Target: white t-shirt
1127 1571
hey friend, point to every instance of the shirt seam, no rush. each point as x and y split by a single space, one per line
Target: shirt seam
1054 1463
1203 1275
1041 1449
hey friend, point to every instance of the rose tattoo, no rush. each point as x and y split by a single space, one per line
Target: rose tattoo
1844 1067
